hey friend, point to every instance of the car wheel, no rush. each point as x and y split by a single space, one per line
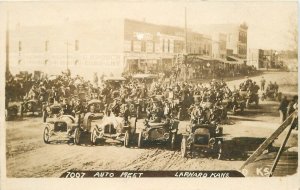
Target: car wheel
234 110
77 134
44 116
179 116
126 139
219 152
46 135
6 115
138 112
140 140
242 108
256 102
183 147
21 111
94 136
247 103
173 138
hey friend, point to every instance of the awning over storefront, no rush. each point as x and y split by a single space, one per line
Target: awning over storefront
234 60
142 76
114 79
194 59
220 60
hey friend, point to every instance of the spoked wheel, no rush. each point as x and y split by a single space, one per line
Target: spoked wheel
126 139
219 151
77 134
6 115
234 110
179 115
242 108
138 112
94 136
247 103
140 140
256 102
21 111
46 135
172 143
44 116
183 147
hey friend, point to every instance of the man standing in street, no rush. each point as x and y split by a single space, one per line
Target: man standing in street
262 83
283 109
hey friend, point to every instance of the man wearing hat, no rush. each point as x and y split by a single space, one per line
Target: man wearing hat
116 107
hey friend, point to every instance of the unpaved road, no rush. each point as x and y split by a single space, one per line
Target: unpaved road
28 156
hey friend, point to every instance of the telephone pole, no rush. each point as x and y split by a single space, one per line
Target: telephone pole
185 31
7 72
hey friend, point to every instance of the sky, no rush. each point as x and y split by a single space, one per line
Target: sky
269 22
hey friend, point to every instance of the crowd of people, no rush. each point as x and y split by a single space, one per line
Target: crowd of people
158 98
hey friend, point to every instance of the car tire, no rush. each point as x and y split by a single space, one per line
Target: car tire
44 116
183 147
234 110
140 140
173 140
21 111
77 135
126 139
94 136
219 152
247 103
6 115
138 112
46 135
242 108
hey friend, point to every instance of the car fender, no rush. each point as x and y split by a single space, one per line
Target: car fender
86 123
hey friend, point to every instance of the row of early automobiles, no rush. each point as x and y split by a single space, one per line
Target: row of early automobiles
98 125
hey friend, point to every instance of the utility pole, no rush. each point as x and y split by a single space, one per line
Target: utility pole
185 46
185 31
7 72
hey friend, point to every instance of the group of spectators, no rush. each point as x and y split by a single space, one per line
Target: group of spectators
165 96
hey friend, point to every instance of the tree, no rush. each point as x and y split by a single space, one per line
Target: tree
293 32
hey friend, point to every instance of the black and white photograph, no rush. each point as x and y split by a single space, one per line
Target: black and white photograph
143 89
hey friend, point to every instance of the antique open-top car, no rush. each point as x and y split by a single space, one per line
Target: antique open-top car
250 98
206 137
112 127
163 131
58 124
271 94
31 106
11 112
101 126
236 103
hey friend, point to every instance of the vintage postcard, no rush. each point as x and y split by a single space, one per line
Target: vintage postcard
166 92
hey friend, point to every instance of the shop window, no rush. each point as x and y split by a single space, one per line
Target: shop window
143 46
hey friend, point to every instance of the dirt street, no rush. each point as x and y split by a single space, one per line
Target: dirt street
28 156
